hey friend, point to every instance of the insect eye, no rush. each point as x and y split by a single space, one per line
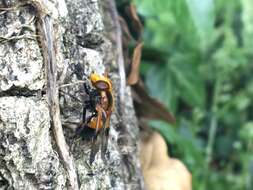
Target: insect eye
102 85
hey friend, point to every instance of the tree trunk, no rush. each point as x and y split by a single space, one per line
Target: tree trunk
45 45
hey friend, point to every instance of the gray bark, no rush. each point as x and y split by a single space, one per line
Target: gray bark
84 41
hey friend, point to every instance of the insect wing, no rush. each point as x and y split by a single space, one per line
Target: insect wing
94 149
100 138
104 138
104 143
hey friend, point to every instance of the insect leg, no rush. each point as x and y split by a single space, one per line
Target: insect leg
87 88
90 117
84 114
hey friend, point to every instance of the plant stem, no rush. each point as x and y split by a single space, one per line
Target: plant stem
212 129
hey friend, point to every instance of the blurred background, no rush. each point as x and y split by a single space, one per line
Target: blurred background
197 61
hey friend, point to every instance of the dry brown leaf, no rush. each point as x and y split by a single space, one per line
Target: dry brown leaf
159 170
126 39
136 24
125 30
133 77
147 107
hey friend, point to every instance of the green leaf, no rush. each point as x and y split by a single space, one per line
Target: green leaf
188 79
161 85
247 18
202 13
179 78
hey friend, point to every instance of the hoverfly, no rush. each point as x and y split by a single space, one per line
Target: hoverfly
99 103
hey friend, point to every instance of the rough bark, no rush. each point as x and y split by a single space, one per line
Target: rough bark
84 40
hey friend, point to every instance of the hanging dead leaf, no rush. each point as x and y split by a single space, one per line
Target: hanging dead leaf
133 77
126 39
135 22
125 30
159 170
147 107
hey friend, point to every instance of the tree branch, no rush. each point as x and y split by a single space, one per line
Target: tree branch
47 41
119 51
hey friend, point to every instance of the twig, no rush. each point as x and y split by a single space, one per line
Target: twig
120 58
47 42
5 9
52 91
71 84
4 39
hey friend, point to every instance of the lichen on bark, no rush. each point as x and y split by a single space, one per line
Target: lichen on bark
27 159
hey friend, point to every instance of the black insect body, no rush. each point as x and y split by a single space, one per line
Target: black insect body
98 104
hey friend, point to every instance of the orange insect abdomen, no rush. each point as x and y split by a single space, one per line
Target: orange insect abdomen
93 123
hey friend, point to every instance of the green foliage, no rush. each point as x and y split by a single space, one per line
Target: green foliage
206 80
